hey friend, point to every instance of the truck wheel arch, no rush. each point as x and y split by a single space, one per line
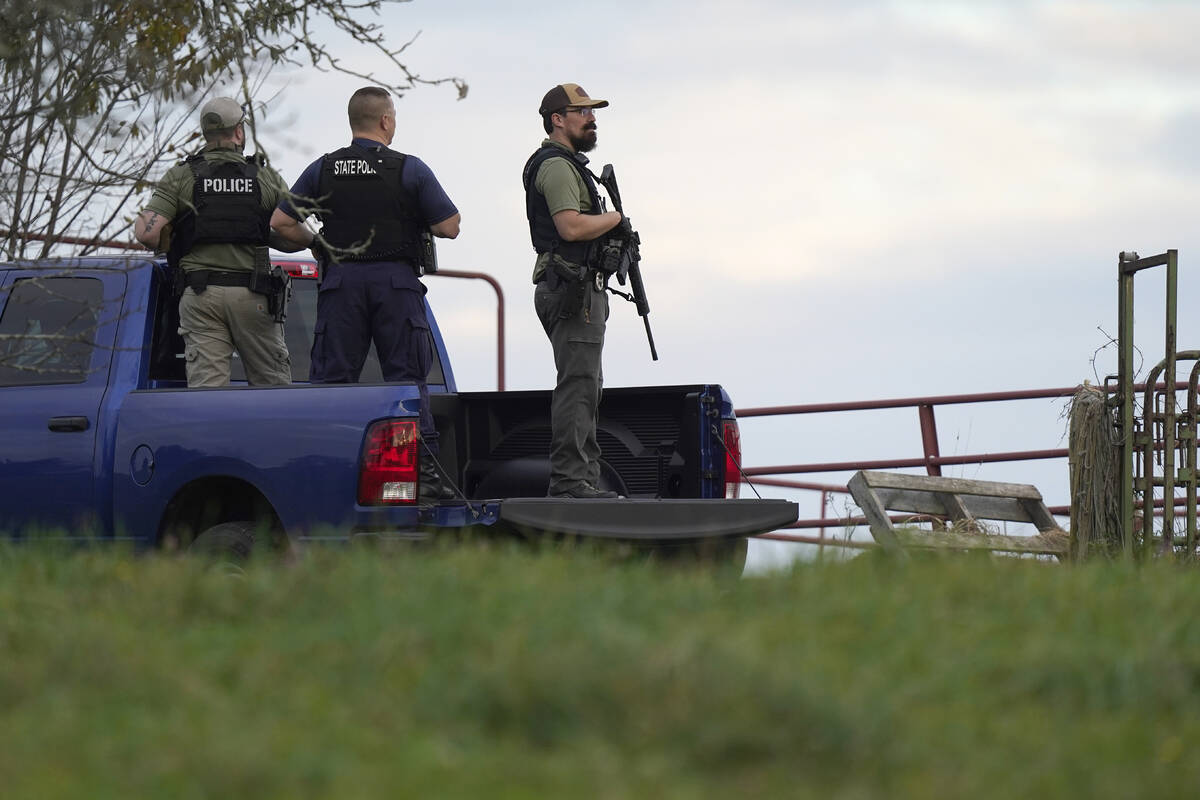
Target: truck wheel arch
207 502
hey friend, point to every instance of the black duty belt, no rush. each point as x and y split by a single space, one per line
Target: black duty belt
348 263
199 279
597 279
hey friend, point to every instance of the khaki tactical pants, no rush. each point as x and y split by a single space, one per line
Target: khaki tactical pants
222 319
578 343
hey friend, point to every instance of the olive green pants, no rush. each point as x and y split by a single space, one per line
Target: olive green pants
578 344
222 319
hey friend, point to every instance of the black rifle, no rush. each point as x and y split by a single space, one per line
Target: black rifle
622 256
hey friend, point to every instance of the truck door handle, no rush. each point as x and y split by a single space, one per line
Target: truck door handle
68 424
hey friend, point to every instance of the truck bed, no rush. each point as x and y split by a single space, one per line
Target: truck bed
497 443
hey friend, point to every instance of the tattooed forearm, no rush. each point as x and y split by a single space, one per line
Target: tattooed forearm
148 228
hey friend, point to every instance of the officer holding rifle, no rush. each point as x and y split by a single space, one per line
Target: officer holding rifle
569 227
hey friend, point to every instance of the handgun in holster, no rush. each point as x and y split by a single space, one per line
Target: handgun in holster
576 280
272 282
426 254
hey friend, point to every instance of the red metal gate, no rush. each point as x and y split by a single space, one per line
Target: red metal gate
931 458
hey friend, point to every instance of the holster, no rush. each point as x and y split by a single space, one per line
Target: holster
573 281
271 282
197 279
426 254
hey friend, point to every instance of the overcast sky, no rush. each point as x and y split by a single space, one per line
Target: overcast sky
837 201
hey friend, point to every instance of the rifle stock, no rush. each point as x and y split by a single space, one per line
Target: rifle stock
631 260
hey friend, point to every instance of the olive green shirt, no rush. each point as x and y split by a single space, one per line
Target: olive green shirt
564 190
173 196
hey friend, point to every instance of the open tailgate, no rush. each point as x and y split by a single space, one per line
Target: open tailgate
648 519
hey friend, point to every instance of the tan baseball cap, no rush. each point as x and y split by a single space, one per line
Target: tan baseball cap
220 113
568 94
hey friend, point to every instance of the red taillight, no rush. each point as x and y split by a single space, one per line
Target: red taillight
388 466
297 269
733 458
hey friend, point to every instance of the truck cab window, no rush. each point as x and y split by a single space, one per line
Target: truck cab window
48 330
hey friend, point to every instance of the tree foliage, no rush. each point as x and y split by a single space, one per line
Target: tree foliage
95 95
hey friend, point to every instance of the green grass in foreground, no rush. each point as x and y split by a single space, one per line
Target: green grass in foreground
500 673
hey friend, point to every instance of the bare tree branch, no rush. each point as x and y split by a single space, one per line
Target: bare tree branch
98 96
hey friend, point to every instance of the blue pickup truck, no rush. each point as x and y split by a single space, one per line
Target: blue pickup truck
101 438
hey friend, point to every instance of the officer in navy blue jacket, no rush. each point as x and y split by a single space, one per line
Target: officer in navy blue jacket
374 204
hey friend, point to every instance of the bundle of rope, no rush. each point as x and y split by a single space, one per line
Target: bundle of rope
1095 459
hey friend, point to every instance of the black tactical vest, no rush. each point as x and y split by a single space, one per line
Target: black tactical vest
541 225
361 199
226 206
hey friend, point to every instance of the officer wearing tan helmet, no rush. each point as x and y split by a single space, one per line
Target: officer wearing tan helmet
215 209
566 215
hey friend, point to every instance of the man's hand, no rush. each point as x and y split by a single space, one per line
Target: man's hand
624 229
320 252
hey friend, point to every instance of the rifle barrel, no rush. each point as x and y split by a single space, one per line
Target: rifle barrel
608 180
650 339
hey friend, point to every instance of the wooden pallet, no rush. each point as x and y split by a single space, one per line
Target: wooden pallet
961 501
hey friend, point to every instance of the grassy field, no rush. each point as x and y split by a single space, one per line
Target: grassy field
477 672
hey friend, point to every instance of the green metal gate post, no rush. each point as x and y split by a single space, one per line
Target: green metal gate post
1128 264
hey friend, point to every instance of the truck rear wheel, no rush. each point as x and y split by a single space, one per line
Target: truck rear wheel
228 542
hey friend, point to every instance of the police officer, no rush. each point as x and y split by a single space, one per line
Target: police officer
374 204
566 215
214 209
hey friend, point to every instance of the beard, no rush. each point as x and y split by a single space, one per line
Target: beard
586 141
